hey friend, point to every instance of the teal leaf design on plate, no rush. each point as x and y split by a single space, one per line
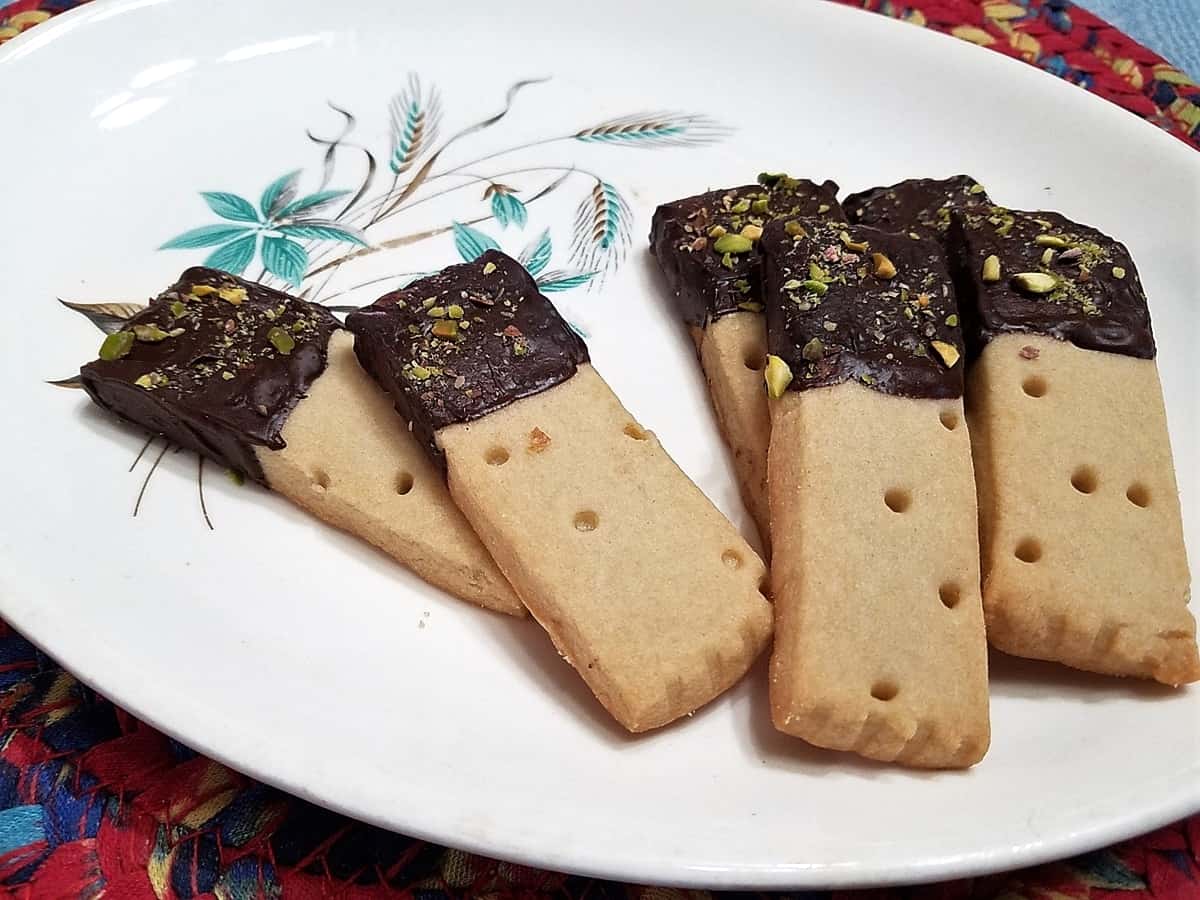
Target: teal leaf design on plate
321 230
230 206
234 256
654 129
311 203
472 243
285 258
537 255
205 236
416 115
508 208
279 193
559 280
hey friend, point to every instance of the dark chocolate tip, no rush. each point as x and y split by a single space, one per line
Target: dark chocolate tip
1097 301
918 205
464 342
708 284
837 312
222 385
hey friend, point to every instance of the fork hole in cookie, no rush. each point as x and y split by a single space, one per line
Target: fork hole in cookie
1029 550
1085 480
949 419
1138 494
884 690
1034 386
496 456
732 559
949 593
755 359
635 431
897 499
320 481
586 520
404 483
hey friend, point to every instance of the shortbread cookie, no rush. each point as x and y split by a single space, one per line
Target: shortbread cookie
1083 554
268 385
705 246
879 644
642 584
917 206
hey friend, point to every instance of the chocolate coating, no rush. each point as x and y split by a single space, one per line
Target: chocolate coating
705 285
883 332
510 343
919 205
1089 305
219 386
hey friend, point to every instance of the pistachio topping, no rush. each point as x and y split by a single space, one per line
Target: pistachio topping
1035 282
882 267
733 243
752 232
1118 272
1051 240
281 340
233 295
991 268
116 346
151 334
778 375
489 268
851 244
813 351
948 352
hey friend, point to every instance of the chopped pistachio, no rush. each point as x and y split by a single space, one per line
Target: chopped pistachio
733 243
1051 240
428 302
1006 227
813 350
436 312
233 295
792 284
454 311
151 334
281 340
1035 282
767 179
794 229
178 309
176 332
991 268
750 306
976 189
778 375
116 346
760 206
447 328
742 206
742 286
830 326
489 268
823 208
882 267
151 380
227 375
716 231
817 287
816 273
465 323
911 234
851 244
727 261
752 232
520 348
419 373
948 353
202 290
952 320
1118 273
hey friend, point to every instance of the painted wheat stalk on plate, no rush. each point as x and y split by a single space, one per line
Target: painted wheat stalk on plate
416 115
655 129
601 232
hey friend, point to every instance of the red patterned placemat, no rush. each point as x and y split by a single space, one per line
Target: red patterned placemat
95 804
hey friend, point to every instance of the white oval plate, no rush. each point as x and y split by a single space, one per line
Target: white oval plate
302 657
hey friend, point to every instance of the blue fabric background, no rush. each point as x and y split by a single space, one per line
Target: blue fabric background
1171 28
